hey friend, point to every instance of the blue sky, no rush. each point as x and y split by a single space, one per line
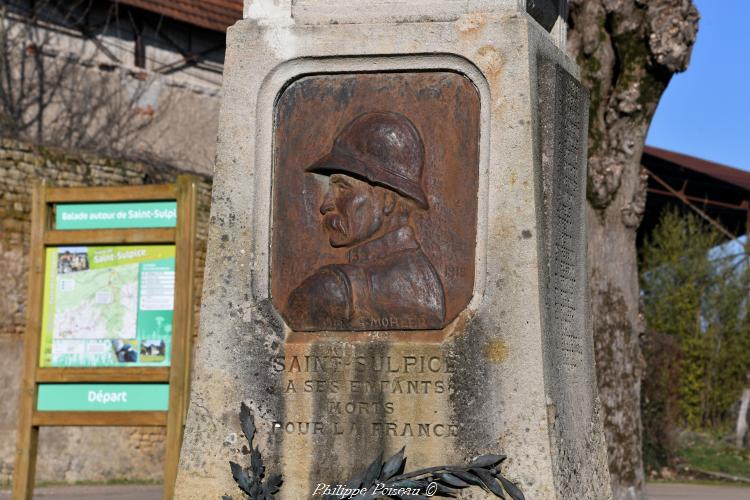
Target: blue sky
705 112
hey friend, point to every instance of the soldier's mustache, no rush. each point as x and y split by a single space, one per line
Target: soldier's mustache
334 222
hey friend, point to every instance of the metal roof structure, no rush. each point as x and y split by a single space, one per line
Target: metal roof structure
718 193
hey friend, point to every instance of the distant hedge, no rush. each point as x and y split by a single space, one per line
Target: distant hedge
697 350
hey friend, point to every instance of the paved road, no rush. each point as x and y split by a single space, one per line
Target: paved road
125 492
656 492
675 491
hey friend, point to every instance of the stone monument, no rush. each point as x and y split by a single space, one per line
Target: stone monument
397 249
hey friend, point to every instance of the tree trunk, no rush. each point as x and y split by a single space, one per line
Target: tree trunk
742 418
627 50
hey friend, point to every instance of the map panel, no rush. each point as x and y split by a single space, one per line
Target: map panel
108 306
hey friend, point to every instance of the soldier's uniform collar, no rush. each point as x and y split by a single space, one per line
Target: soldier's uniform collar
390 243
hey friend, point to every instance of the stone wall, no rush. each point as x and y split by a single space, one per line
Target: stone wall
72 453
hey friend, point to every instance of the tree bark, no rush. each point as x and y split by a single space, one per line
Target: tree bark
627 50
742 418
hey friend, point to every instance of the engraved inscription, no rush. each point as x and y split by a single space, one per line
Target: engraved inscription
568 347
365 395
566 239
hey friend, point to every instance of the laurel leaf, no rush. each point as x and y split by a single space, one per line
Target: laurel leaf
513 490
484 461
373 471
256 462
467 477
393 465
453 480
247 423
273 484
240 477
489 482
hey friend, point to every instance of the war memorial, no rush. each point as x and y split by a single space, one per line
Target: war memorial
396 255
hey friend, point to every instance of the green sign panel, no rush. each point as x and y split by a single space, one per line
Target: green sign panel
108 306
102 397
115 215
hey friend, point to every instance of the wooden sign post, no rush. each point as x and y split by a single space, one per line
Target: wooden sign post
109 315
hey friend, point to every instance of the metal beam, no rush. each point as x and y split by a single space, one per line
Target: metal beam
704 201
687 202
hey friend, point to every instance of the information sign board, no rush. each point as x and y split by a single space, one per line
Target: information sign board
109 321
108 306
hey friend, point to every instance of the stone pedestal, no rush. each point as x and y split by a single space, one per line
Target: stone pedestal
456 323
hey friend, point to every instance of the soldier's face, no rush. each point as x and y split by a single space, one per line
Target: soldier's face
352 210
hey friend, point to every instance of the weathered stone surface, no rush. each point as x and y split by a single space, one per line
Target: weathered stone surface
494 378
363 11
573 408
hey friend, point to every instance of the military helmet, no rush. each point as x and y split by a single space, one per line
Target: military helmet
381 147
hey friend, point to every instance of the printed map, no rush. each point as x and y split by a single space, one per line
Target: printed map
108 306
97 303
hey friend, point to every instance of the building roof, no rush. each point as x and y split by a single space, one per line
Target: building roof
216 15
727 174
719 191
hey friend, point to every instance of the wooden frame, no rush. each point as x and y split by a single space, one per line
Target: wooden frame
177 374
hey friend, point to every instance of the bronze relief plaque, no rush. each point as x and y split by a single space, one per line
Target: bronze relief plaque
375 185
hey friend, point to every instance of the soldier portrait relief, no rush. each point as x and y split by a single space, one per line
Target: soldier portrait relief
374 226
374 171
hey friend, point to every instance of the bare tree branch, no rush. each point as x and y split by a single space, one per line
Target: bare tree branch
58 85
